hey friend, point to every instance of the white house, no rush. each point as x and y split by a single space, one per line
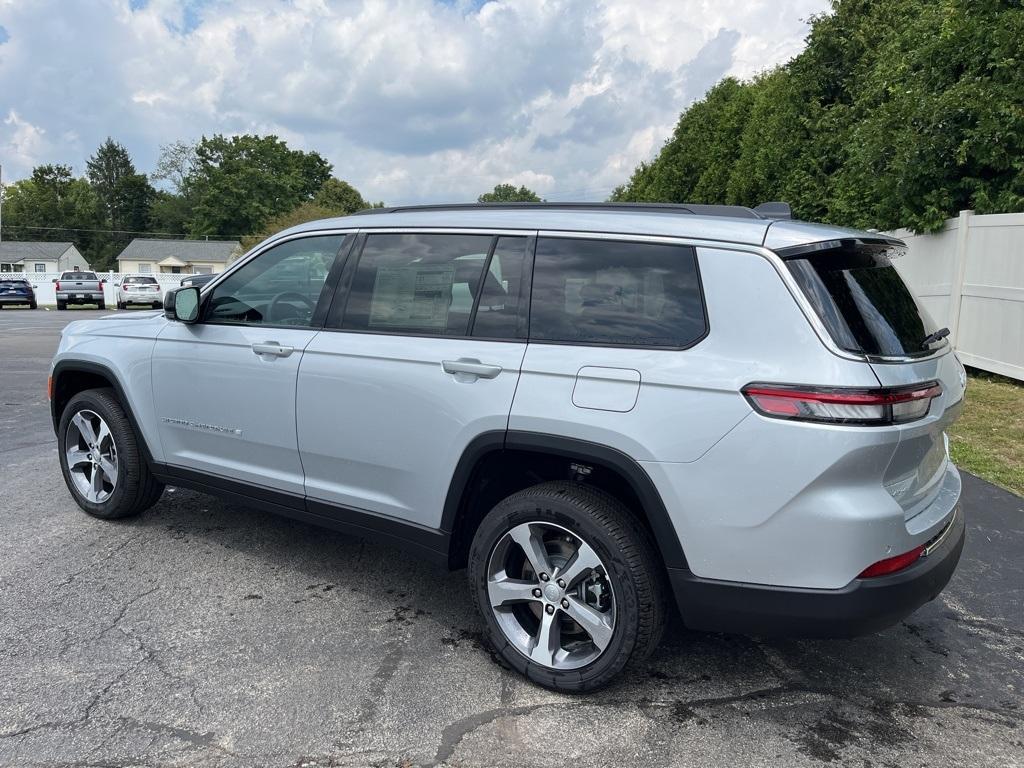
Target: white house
152 255
36 256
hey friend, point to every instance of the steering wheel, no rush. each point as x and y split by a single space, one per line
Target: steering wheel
272 307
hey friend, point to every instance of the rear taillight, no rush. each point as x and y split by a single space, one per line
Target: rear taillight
841 405
893 564
58 285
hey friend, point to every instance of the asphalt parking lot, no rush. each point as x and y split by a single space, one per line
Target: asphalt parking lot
206 634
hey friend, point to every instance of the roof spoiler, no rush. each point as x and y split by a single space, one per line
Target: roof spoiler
774 210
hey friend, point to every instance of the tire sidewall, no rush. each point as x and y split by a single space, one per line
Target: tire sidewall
563 512
127 454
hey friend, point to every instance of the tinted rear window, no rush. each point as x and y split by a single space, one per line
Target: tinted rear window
615 292
78 276
140 281
19 283
863 301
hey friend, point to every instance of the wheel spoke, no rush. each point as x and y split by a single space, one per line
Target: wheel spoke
84 427
103 434
533 547
593 622
95 485
109 469
504 590
548 640
583 562
77 457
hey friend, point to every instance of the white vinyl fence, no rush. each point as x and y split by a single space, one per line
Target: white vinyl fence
970 277
46 291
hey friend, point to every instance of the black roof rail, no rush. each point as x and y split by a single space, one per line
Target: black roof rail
764 211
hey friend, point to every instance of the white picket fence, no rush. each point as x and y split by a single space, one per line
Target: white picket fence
970 277
46 291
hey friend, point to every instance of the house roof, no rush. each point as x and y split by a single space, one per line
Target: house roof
14 251
153 249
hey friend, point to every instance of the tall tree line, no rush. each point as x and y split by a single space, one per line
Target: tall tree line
898 113
218 187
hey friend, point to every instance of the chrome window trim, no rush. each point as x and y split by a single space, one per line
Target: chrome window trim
766 253
265 246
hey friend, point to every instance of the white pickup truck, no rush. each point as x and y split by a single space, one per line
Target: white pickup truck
79 288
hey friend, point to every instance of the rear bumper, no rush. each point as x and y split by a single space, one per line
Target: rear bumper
17 299
861 607
86 296
147 299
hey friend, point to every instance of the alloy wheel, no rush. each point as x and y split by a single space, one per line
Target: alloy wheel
551 595
91 456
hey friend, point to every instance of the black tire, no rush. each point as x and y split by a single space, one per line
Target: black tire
158 305
624 546
136 488
62 305
101 305
121 305
33 305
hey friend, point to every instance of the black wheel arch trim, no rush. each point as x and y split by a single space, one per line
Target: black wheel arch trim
639 481
98 369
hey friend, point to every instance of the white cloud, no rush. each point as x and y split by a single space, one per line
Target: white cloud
411 100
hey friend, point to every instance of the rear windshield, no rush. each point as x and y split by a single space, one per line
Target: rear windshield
863 301
78 276
140 281
19 283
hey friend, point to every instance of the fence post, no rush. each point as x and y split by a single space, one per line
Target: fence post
959 270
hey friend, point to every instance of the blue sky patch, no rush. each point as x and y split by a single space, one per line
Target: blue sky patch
4 37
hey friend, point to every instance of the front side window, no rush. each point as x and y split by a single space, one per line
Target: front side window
431 284
616 292
281 286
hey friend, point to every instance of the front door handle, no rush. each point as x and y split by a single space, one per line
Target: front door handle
272 348
472 367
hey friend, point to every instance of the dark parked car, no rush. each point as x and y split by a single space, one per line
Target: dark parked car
16 291
198 281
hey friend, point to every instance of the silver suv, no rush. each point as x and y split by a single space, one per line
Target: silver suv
599 410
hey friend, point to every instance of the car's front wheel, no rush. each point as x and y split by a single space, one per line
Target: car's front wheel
569 585
101 459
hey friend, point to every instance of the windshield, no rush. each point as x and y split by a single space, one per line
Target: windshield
863 301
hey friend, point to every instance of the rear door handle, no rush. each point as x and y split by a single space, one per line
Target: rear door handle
272 348
472 367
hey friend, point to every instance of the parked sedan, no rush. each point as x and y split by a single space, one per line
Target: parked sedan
17 291
139 289
198 280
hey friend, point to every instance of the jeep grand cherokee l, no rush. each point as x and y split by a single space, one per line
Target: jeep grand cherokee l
595 409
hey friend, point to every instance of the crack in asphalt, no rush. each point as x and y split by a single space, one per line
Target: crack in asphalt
454 733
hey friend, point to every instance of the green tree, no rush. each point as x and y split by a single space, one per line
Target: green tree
124 194
51 205
239 184
339 197
507 193
897 113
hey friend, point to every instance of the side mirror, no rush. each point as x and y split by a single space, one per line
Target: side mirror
55 281
182 304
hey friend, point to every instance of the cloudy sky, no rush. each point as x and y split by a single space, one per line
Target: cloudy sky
411 100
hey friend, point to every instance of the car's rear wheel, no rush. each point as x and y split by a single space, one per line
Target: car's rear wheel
157 305
122 305
569 585
101 305
33 305
100 457
61 305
